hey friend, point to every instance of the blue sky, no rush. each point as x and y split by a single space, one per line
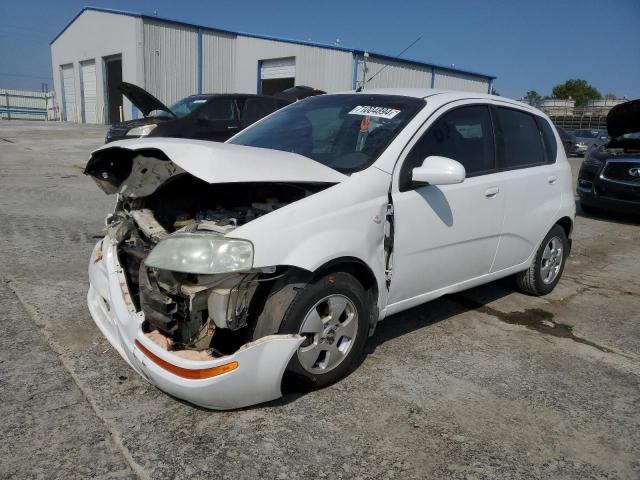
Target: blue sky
526 44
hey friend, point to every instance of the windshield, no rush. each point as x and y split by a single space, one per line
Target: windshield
344 132
183 108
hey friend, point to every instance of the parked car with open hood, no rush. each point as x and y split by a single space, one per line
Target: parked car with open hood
214 117
609 176
228 266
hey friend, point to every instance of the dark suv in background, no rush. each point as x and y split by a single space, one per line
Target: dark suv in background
609 177
214 117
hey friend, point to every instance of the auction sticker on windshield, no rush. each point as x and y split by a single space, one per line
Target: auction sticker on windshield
382 112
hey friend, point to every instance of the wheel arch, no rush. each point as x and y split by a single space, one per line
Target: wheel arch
361 272
272 302
567 225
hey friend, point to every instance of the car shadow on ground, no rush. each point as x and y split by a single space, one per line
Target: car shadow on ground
423 316
602 215
438 310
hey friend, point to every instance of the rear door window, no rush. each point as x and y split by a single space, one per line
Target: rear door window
256 108
518 140
220 109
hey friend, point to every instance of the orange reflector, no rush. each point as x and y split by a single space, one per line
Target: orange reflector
193 374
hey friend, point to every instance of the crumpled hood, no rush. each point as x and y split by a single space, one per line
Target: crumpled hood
212 162
624 118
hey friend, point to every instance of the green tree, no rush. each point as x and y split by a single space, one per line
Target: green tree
532 98
578 90
610 96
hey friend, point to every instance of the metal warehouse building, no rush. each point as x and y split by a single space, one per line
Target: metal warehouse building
99 48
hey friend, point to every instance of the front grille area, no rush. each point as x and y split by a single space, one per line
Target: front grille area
619 171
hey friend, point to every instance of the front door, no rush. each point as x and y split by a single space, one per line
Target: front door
446 235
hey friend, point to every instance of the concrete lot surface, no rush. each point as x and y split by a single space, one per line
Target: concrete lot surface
490 383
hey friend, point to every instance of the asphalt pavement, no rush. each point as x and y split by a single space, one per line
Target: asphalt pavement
485 384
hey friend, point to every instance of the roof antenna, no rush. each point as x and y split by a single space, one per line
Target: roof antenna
364 82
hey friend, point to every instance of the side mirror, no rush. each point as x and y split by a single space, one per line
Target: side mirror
438 171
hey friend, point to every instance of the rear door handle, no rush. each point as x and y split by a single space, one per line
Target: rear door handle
552 179
491 192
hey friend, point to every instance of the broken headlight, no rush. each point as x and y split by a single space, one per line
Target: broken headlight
201 253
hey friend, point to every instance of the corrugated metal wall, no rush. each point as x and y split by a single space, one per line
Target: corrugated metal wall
170 60
459 81
396 74
218 62
326 69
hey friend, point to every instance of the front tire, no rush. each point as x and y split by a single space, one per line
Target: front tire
333 314
544 273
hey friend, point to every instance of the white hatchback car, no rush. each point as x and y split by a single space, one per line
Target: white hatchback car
228 267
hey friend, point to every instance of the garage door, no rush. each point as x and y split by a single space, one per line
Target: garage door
89 100
278 68
68 92
277 75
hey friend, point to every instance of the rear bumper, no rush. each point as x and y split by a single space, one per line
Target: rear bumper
260 364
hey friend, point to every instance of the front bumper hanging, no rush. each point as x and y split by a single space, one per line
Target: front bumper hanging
251 375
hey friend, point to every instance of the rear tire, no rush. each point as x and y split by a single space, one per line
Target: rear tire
544 273
333 314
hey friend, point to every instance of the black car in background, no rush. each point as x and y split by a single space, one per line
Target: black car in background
214 117
568 141
609 177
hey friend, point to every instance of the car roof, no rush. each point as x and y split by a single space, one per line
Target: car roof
447 95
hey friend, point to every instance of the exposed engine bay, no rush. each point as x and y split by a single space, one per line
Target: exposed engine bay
193 314
195 311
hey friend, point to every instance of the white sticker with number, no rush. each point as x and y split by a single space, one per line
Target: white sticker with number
382 112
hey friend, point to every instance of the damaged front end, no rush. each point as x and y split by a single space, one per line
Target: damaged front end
189 287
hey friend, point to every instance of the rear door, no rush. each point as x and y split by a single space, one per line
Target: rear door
218 120
527 157
446 235
255 108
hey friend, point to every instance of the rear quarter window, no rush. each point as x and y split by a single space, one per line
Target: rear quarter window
549 139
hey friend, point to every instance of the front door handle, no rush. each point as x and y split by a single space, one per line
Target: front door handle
491 192
552 179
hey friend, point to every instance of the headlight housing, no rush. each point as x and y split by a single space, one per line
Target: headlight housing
142 131
201 253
